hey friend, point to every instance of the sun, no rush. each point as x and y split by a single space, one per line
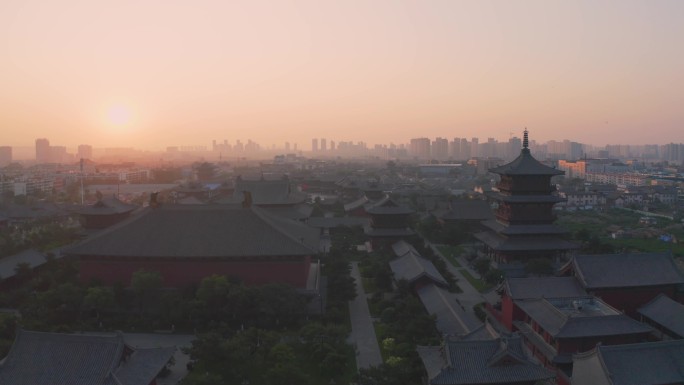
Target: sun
119 115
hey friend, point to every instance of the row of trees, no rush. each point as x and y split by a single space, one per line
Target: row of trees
281 353
313 354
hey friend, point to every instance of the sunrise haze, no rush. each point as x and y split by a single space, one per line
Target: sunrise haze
151 74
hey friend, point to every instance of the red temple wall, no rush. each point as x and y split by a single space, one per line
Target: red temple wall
629 300
507 311
181 273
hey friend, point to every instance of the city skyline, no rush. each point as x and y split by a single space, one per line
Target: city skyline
157 74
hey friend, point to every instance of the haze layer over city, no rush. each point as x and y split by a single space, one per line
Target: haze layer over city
158 74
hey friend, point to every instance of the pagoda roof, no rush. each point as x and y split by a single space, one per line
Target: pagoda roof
77 359
499 227
525 164
659 362
202 231
626 270
532 243
498 361
525 198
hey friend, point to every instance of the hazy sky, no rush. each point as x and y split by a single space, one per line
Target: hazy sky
156 73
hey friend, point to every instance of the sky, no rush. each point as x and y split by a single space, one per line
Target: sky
150 74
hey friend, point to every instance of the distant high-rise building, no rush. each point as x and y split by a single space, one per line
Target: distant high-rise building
42 150
58 154
332 145
475 147
440 149
85 151
514 146
314 145
465 149
455 149
420 148
324 145
5 155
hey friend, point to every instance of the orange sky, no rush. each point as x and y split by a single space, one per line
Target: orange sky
149 74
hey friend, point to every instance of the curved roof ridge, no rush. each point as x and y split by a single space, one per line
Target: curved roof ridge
273 220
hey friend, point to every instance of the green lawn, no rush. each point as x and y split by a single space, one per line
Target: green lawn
647 245
450 253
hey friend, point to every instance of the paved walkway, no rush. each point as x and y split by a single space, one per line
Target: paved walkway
363 334
470 296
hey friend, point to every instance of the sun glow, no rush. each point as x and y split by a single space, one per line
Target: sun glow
119 115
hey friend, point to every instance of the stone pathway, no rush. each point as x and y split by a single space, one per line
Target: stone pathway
363 333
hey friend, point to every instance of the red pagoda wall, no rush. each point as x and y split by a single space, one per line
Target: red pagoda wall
184 272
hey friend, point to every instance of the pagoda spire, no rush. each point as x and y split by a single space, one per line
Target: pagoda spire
526 142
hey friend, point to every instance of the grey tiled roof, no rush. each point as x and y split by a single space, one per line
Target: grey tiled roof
296 212
356 204
387 206
202 231
551 287
626 270
106 206
266 192
412 266
388 232
500 361
402 248
525 164
450 318
562 325
31 257
666 312
143 365
328 223
651 363
76 359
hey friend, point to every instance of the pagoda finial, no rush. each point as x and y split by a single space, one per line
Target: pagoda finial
526 142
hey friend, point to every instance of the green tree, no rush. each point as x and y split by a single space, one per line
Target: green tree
144 284
481 266
99 298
